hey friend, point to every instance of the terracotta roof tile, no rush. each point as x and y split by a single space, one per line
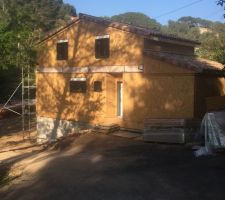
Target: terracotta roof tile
126 27
190 62
135 29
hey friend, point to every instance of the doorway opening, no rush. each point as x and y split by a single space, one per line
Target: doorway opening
119 99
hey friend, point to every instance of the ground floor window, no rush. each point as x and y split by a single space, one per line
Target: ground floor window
97 86
78 85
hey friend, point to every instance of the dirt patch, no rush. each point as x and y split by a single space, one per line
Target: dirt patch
15 145
18 150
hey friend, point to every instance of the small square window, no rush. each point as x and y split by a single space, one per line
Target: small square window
97 86
102 47
78 86
62 50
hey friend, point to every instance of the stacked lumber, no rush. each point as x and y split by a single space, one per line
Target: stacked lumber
169 130
170 123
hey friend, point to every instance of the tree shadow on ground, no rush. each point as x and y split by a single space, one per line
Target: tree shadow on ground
108 167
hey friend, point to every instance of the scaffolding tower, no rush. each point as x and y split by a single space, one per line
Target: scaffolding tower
27 103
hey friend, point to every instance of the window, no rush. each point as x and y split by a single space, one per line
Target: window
102 46
97 86
62 50
78 85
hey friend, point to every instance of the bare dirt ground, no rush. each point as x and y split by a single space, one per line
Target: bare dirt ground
97 166
15 145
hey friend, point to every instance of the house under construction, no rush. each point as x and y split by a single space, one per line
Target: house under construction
94 71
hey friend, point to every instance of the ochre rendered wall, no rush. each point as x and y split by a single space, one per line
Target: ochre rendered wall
163 91
54 99
125 48
157 96
156 66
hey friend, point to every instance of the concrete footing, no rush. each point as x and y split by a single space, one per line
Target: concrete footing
49 129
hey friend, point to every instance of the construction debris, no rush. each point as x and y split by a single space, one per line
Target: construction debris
107 128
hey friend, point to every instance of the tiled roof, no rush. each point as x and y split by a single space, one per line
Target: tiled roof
125 27
135 29
194 63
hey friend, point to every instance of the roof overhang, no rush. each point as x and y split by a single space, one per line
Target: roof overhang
144 32
194 63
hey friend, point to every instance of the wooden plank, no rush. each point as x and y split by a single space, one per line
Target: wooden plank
165 136
171 123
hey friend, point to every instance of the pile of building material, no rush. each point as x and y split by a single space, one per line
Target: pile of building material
106 128
169 130
213 132
127 134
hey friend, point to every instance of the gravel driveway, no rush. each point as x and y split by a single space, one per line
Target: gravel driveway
109 167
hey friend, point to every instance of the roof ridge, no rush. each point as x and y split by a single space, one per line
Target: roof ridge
139 30
148 31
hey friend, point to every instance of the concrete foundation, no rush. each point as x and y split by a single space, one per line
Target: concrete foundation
49 129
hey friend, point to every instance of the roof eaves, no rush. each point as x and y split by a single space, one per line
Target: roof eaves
194 63
137 29
51 34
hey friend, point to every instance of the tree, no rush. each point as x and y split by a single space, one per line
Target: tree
221 3
137 19
22 23
213 47
182 29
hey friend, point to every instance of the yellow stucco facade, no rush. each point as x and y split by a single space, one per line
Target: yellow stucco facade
161 90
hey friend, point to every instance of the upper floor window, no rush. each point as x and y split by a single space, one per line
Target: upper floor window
102 46
62 50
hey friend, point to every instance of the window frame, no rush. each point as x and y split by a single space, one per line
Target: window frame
83 88
97 89
60 54
102 47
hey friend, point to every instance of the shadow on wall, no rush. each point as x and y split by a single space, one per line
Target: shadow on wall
207 86
157 96
168 96
53 96
54 100
125 48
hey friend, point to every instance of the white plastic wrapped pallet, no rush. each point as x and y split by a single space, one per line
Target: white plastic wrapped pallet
213 130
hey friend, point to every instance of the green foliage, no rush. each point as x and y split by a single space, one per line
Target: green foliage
137 19
196 22
181 29
221 3
22 23
210 34
212 37
213 47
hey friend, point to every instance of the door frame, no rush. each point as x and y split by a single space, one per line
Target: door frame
119 103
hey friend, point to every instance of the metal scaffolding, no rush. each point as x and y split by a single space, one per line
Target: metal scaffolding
27 102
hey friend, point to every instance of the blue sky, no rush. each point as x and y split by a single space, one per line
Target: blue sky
206 9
